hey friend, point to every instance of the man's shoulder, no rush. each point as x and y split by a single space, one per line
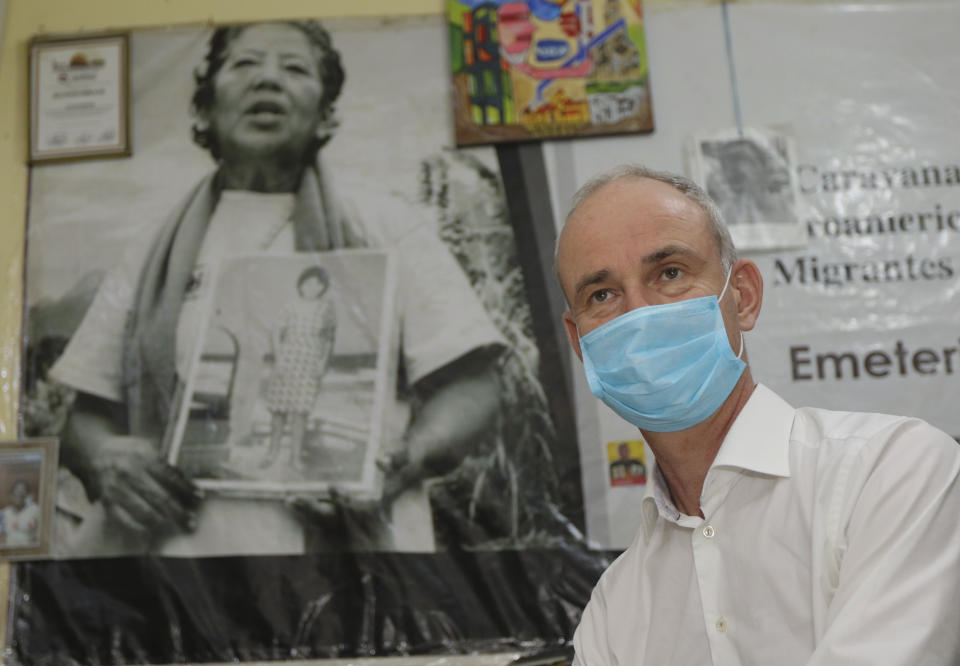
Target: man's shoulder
865 439
838 424
612 578
818 422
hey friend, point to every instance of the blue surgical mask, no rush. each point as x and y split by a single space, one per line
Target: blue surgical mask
665 367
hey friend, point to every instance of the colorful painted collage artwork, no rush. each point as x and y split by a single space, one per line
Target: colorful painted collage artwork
535 69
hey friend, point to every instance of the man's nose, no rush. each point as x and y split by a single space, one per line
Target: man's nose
635 298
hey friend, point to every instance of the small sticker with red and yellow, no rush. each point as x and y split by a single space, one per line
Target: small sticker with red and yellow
627 463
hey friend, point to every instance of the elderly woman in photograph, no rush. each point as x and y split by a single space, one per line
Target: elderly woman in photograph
263 107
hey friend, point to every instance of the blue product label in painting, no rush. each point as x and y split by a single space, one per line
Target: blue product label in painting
552 49
545 10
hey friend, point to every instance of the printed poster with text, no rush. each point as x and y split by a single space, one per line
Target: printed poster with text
548 68
864 314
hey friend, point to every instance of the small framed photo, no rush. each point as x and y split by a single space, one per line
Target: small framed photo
751 177
27 495
79 98
290 382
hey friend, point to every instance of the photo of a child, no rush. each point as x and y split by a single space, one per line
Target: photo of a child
303 342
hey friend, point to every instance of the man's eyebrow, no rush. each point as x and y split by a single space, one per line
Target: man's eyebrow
654 257
590 279
665 253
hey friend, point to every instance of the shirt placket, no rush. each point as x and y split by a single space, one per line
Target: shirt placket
707 542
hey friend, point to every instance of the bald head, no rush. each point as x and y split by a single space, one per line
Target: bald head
702 206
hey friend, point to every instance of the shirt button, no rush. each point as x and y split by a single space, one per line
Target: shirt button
721 625
708 531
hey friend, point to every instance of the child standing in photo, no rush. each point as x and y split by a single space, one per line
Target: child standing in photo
303 344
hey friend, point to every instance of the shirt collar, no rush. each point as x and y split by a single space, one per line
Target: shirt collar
758 441
656 500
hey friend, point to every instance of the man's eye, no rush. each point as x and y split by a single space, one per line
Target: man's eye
296 68
600 296
672 273
244 62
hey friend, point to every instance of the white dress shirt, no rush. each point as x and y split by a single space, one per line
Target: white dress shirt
828 538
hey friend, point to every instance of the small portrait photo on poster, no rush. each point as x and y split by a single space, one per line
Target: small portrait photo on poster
27 473
750 176
627 464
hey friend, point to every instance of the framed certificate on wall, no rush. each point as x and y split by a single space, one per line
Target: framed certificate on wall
79 98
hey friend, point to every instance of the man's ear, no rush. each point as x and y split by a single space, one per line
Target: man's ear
747 284
572 335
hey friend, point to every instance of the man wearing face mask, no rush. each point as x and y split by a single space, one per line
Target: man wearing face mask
769 534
